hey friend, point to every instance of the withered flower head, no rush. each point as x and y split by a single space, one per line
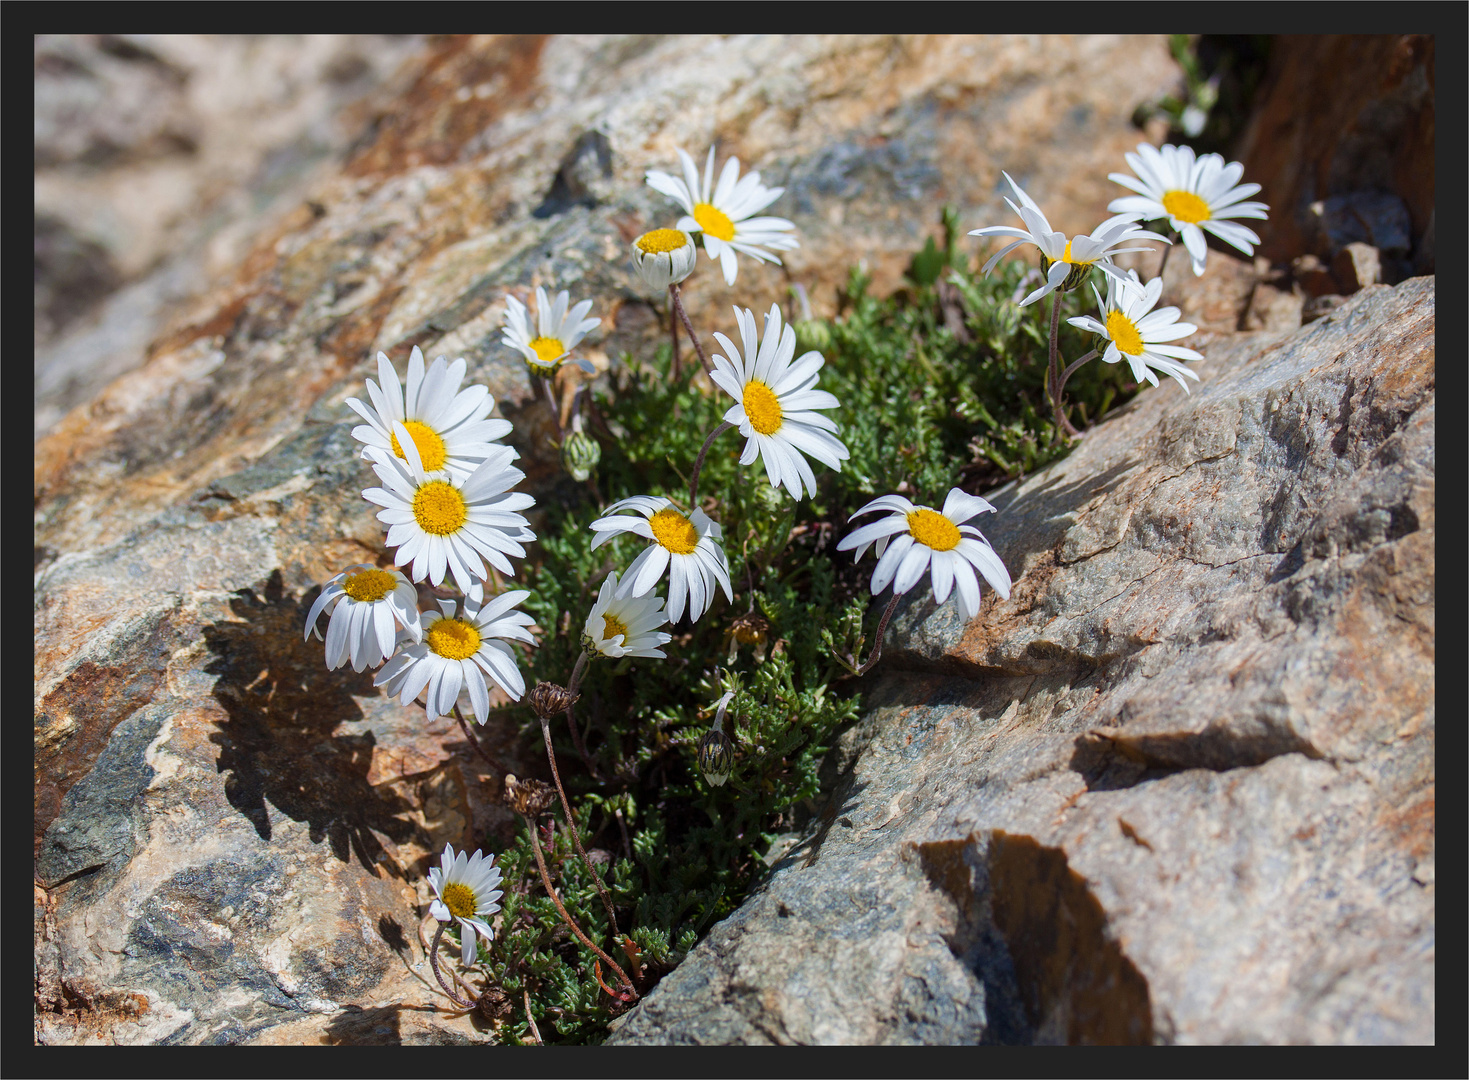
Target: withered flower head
748 629
548 700
528 797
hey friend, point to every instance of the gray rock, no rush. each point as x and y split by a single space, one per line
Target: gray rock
1179 787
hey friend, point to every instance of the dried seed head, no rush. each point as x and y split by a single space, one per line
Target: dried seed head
528 797
548 700
716 756
495 1004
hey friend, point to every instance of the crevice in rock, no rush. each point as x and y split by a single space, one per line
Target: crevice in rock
588 161
1110 759
1075 983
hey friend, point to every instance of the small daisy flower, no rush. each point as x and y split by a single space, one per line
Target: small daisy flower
913 538
687 547
1066 262
625 625
774 398
367 606
722 212
464 892
546 342
664 257
458 651
439 523
1133 330
451 428
1196 195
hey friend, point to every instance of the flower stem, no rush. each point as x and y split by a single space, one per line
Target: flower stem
576 739
851 662
689 327
571 823
433 957
1053 369
676 371
555 408
1071 367
474 742
530 1022
535 844
1163 259
699 462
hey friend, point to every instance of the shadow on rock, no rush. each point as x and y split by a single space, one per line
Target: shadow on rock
280 742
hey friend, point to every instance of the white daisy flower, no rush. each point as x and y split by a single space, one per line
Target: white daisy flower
687 547
722 212
1066 262
914 537
775 398
451 428
664 257
367 606
625 625
440 523
1195 195
464 892
1133 330
459 651
546 341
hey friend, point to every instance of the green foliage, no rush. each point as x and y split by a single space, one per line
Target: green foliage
940 385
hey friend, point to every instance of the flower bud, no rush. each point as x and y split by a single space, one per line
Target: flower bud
716 756
664 257
548 700
580 454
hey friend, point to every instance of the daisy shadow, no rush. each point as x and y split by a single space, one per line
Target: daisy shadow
281 743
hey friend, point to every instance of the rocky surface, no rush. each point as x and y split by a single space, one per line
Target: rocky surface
230 841
1180 786
1342 142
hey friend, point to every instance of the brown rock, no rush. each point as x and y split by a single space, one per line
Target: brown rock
1313 276
1345 117
1356 266
1272 309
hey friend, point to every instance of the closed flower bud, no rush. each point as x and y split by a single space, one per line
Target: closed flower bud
716 756
528 797
664 257
580 454
548 700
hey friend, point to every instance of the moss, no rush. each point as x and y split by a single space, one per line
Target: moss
940 385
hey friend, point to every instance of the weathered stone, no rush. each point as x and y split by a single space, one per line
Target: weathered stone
1341 142
1356 266
230 840
1179 787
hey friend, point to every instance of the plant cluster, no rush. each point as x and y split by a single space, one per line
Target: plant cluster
684 732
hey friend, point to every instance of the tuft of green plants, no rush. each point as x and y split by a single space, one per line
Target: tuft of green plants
940 384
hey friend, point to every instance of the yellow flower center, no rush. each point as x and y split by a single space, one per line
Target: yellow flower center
453 639
661 240
439 508
1124 333
1186 207
1066 257
674 531
762 407
459 899
612 626
547 348
714 221
431 450
932 528
369 586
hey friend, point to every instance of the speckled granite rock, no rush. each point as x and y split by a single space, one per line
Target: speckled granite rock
1180 786
229 840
